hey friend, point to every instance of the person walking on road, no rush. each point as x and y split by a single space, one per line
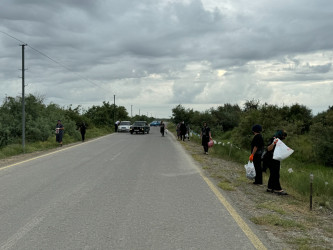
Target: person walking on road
59 132
257 146
205 135
162 128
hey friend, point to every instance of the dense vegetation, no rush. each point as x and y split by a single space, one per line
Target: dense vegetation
310 136
41 119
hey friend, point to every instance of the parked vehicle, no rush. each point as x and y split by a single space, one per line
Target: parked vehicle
140 127
124 126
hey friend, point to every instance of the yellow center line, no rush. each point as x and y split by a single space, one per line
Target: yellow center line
241 223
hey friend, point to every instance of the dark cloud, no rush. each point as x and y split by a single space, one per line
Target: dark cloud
127 46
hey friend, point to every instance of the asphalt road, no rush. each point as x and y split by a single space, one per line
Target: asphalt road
120 191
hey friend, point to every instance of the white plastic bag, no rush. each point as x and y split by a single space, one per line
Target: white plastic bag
250 170
281 151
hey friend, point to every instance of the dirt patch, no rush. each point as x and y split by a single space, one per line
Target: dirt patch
286 220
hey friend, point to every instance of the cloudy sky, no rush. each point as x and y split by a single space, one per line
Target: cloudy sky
155 54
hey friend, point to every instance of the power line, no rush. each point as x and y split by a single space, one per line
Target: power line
12 37
51 59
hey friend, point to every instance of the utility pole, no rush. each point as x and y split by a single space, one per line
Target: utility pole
131 111
23 101
114 108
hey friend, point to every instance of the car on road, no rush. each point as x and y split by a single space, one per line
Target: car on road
140 127
155 123
124 126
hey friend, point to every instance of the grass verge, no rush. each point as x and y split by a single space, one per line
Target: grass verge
287 218
30 147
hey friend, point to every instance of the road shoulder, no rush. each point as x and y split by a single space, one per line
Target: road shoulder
286 221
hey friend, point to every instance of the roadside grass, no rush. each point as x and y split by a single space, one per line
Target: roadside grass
30 147
275 220
288 217
240 180
294 174
226 185
271 206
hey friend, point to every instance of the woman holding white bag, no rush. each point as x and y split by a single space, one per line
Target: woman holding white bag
274 165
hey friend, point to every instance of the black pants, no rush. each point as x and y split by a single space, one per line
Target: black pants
257 167
83 136
59 137
274 177
205 141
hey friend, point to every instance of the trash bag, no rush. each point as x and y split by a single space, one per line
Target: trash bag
210 143
281 151
250 170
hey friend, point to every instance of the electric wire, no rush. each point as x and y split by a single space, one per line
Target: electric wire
51 59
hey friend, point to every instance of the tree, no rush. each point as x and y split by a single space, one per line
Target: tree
104 115
322 136
227 116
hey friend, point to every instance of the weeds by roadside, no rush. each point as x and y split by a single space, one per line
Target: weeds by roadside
16 149
288 219
295 175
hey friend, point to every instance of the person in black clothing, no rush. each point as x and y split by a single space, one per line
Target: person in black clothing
205 135
274 165
162 128
188 130
257 146
82 129
59 132
116 124
182 130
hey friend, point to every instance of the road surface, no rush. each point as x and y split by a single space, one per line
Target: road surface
120 191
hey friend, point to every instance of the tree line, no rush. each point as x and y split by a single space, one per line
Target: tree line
41 119
310 136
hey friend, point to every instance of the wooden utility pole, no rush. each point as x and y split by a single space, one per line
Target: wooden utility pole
23 101
114 109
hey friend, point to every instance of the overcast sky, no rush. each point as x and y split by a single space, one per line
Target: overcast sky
155 54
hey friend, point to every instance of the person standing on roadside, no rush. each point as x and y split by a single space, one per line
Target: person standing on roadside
182 130
205 135
257 146
178 130
116 126
274 165
82 129
59 132
188 130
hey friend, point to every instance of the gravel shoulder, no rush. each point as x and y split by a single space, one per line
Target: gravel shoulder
286 220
